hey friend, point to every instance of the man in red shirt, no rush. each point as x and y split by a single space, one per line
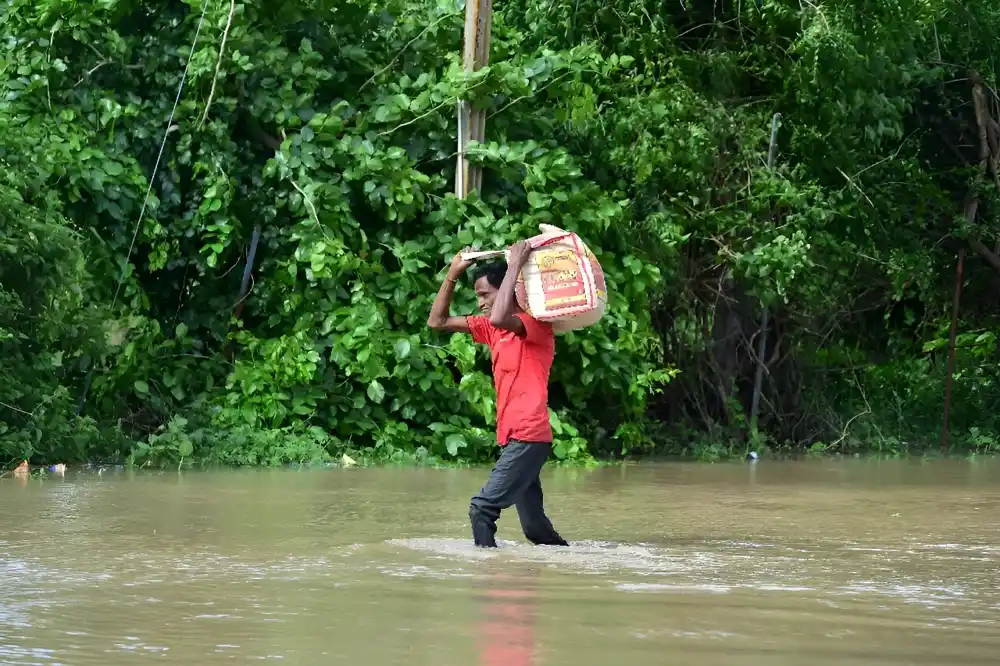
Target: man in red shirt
521 348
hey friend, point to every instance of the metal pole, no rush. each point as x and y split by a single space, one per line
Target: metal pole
758 380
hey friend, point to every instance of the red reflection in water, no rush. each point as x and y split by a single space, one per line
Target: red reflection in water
507 629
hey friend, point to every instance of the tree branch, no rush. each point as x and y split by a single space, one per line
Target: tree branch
218 62
985 252
983 121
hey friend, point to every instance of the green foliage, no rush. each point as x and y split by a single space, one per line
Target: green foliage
47 337
178 442
330 128
850 241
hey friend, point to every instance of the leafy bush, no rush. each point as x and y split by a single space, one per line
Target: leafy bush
327 130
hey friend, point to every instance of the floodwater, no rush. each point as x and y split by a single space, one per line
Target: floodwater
806 563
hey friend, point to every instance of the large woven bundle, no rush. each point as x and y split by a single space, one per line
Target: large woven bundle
561 282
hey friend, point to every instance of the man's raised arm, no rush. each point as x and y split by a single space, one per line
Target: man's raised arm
440 318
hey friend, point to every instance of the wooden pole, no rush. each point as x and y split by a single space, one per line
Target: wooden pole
472 122
758 380
951 350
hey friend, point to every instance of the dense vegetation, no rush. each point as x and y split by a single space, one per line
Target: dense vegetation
318 136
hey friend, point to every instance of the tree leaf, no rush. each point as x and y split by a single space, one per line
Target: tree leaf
141 387
375 392
402 349
536 200
559 449
454 443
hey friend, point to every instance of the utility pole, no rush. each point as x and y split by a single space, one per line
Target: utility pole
472 122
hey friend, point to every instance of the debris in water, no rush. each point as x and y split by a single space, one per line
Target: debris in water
22 469
58 468
752 456
348 461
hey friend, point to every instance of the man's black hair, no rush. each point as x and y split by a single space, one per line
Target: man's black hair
494 273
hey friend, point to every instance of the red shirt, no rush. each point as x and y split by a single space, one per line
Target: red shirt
520 375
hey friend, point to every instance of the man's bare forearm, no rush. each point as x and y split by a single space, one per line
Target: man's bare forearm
441 309
503 306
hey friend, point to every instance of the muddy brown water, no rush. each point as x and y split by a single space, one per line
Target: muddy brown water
828 562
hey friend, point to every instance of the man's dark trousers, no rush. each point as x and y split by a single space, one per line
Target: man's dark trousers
514 481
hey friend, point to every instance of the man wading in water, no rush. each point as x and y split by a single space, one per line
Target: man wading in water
521 348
